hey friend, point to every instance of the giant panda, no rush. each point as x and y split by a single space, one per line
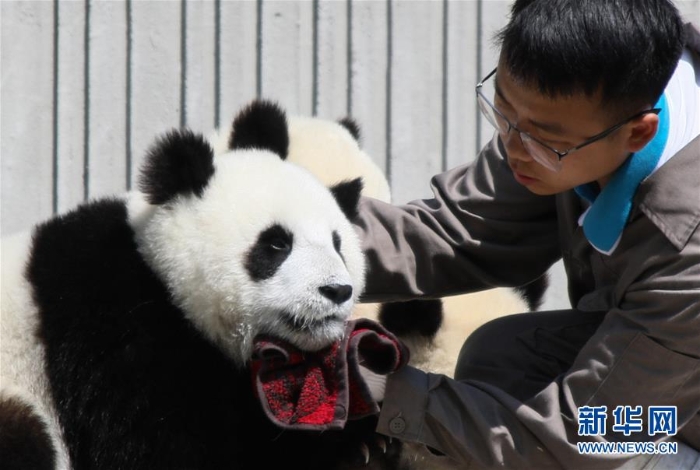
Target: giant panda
433 329
127 323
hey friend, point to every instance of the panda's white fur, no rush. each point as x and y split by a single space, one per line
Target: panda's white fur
213 288
201 241
331 150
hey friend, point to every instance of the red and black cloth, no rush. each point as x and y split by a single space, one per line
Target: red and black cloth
321 390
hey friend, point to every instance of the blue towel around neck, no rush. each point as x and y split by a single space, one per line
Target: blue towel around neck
607 216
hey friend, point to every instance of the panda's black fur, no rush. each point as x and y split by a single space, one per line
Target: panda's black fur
24 440
255 129
147 391
134 383
180 162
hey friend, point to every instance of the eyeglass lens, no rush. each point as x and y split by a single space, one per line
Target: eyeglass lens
540 154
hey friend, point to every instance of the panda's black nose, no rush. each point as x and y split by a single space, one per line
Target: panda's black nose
338 293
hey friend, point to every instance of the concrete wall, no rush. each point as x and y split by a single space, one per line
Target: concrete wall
87 85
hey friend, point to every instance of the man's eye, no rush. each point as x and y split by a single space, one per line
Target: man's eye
557 144
502 106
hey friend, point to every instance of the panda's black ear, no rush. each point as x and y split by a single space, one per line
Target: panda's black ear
347 194
261 125
178 163
351 125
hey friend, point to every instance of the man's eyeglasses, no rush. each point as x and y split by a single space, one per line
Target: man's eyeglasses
542 153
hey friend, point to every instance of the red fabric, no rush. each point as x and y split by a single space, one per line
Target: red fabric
322 390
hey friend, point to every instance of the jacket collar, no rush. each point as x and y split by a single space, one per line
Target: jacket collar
670 197
692 37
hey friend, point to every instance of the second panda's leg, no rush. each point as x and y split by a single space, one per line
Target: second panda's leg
25 442
418 324
24 388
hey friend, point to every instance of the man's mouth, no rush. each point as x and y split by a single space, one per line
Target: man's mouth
522 178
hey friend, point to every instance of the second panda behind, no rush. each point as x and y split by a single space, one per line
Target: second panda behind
145 309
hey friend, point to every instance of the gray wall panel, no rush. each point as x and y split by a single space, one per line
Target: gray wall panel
416 97
332 59
155 74
238 50
287 54
87 85
493 16
27 96
73 178
200 56
461 78
107 143
369 27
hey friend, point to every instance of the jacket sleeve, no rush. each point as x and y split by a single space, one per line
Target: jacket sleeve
481 229
645 353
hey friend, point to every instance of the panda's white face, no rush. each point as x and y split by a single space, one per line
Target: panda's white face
264 249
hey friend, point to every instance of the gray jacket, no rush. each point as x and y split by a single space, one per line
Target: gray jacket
483 229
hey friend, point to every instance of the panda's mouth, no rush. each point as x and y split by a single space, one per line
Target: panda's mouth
309 324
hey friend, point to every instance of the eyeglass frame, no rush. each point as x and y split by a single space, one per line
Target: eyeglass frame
558 153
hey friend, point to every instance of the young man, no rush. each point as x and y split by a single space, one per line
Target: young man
596 160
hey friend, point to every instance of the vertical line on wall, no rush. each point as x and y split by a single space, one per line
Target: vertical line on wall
479 33
348 97
389 53
54 164
445 101
314 59
258 50
217 63
129 57
183 63
86 105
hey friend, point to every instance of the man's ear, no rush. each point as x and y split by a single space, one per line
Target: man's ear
642 130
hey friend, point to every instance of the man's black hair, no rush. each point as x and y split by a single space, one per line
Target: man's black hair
627 49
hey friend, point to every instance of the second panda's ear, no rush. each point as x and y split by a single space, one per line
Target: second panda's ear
178 163
347 194
351 125
261 125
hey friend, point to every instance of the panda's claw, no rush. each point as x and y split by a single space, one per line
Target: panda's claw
365 452
381 443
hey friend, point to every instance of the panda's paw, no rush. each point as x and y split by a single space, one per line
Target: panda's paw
360 447
375 452
378 445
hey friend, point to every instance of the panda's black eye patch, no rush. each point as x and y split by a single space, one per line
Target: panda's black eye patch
272 247
336 244
336 241
277 239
